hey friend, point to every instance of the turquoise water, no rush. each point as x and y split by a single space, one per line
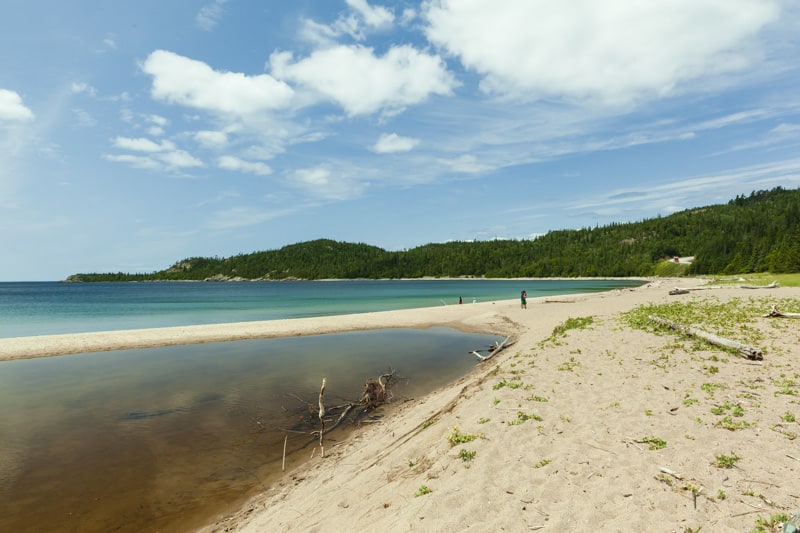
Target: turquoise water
50 307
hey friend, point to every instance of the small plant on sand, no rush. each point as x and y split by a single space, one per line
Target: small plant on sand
540 399
542 463
690 401
570 323
428 423
729 424
514 384
655 443
522 418
788 417
726 461
568 366
467 456
786 386
721 495
456 437
422 490
484 420
495 401
709 388
767 525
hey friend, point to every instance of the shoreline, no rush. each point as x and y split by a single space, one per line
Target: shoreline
469 317
593 398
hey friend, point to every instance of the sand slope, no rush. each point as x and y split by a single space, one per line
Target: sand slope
561 429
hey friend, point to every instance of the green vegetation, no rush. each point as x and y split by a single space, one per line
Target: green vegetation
765 525
523 417
422 490
726 461
467 456
655 443
456 437
755 233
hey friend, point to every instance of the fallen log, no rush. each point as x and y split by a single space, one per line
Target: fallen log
493 350
748 352
775 312
773 285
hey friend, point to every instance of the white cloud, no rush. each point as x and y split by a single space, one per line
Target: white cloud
142 144
374 17
238 217
363 83
209 15
228 162
81 87
607 52
83 118
137 161
351 24
12 108
467 164
322 182
181 80
179 159
211 139
392 143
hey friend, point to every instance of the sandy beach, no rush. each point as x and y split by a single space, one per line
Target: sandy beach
568 432
602 428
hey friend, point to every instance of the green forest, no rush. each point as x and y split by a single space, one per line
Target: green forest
755 233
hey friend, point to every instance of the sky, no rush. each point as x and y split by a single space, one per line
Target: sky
137 134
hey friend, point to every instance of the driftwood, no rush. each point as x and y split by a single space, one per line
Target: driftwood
494 349
746 351
321 416
773 285
775 312
376 392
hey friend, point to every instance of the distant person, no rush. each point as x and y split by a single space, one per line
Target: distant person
460 301
523 299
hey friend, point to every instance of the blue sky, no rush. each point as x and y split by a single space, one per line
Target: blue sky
136 134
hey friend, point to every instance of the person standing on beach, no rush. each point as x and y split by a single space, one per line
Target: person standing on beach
523 298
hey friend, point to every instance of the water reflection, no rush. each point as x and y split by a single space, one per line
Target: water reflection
159 439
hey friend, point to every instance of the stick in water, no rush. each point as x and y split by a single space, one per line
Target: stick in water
322 416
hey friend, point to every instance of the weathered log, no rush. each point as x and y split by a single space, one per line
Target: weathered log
676 290
775 312
493 350
773 285
746 351
322 416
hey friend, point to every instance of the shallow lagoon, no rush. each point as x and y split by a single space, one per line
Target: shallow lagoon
167 438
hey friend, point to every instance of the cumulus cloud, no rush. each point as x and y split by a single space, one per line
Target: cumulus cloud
393 143
322 182
373 16
363 83
181 80
211 139
609 52
362 17
12 108
228 162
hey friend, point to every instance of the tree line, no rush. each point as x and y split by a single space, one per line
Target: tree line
755 233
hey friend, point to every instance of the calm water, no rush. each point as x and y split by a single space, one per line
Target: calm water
50 307
165 439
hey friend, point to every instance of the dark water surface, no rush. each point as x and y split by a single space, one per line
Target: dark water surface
165 439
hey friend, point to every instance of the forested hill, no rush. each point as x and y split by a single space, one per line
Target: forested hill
755 233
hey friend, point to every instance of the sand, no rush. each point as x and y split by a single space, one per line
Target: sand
562 427
580 462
